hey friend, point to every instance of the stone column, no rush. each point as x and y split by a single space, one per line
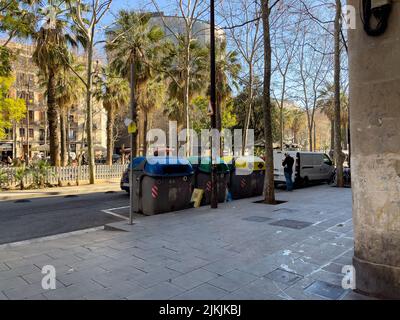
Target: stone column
375 132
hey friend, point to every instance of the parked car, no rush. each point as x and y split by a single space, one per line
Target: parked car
309 167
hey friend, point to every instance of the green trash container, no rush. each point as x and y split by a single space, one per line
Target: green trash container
247 177
202 180
161 184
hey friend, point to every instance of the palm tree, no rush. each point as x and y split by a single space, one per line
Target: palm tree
175 69
227 72
69 91
50 55
113 90
133 41
326 103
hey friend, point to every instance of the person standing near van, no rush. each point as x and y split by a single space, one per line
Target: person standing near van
287 164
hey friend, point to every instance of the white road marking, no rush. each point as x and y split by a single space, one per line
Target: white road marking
110 212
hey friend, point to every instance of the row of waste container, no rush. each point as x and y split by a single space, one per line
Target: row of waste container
165 184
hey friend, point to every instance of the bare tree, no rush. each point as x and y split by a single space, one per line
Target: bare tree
269 189
191 11
314 66
87 16
338 138
242 20
285 46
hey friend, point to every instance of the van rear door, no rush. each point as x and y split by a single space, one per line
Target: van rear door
279 175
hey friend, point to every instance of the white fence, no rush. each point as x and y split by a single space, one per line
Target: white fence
65 175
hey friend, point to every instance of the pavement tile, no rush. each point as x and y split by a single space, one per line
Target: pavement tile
157 276
196 254
203 292
194 278
161 291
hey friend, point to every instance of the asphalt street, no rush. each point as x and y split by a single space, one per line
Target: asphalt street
40 217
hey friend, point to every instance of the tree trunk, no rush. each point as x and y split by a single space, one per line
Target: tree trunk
332 134
338 140
89 111
145 124
142 119
15 140
110 134
282 125
315 136
248 111
269 188
310 138
186 94
63 137
52 117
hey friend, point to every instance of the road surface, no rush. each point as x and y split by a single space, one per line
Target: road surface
39 217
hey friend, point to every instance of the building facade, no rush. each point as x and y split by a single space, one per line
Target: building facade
30 136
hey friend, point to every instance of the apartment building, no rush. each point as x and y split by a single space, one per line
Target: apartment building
30 136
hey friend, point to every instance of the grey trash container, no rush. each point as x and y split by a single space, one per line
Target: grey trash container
247 177
162 184
202 169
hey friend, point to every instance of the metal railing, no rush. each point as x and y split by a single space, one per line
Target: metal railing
65 175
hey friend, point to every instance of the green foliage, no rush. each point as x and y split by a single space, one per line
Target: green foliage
17 18
6 58
201 119
52 44
40 171
3 178
174 64
20 174
112 89
133 40
11 110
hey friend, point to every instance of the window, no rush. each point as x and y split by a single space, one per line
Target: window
22 132
31 135
72 135
31 80
31 97
41 134
31 115
327 160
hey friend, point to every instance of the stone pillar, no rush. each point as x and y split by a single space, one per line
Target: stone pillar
375 132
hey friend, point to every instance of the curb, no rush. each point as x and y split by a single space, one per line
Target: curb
47 194
49 238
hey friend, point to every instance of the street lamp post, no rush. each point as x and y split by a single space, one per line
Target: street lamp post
133 139
214 177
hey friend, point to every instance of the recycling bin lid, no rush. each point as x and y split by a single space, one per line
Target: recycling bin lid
137 163
162 166
168 166
251 163
203 164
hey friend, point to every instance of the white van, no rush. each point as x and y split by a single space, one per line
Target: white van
308 167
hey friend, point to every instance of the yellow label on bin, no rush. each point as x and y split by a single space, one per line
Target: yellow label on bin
197 195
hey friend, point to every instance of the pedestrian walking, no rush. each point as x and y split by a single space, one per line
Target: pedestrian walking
287 164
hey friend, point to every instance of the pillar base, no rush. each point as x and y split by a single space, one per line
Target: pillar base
380 281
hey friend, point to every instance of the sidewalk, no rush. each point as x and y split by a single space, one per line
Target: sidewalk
242 250
60 191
